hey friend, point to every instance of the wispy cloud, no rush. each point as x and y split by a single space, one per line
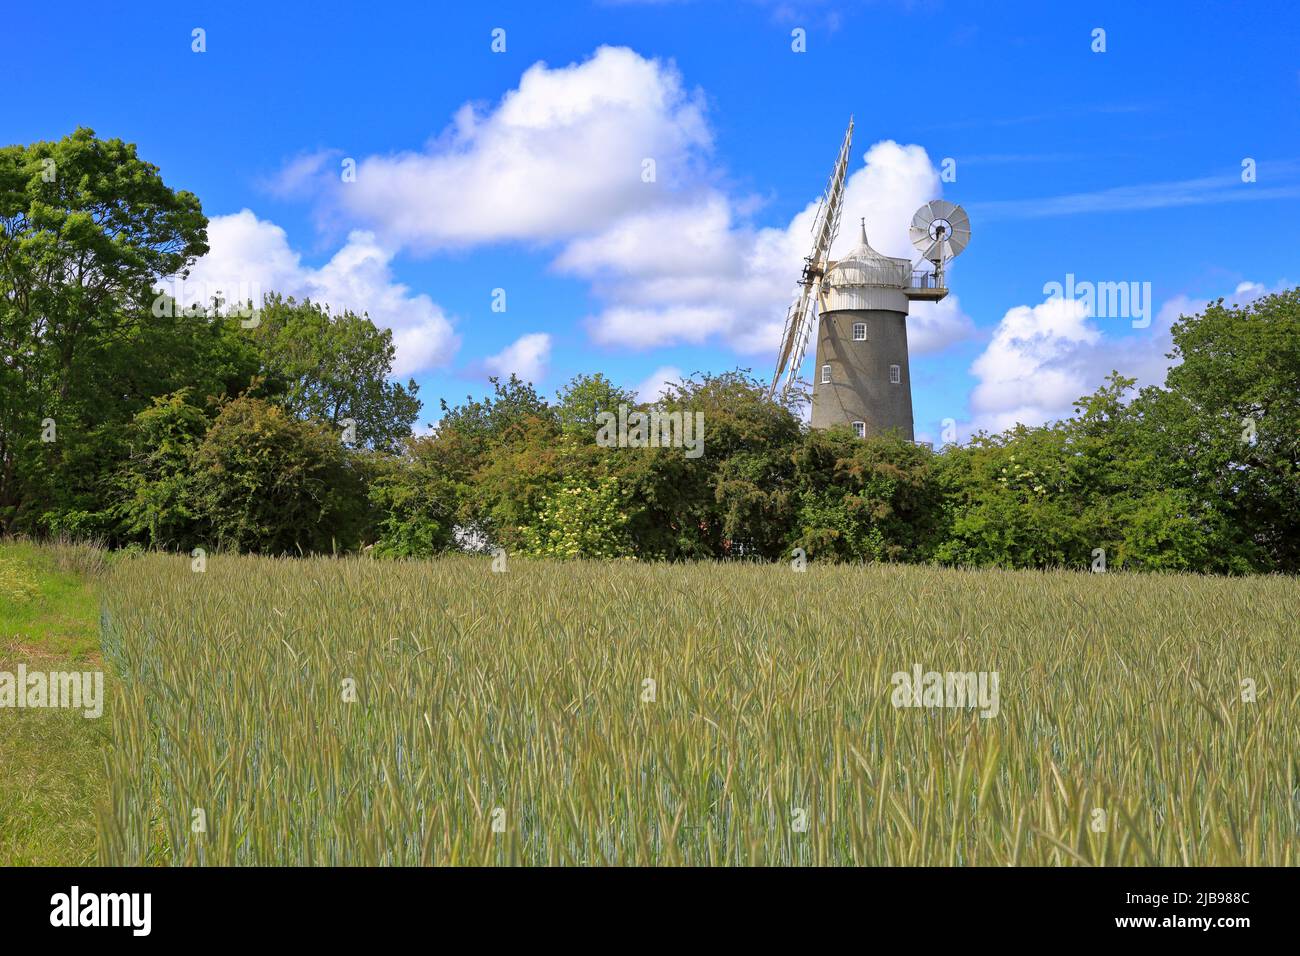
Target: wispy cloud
1184 192
300 176
1077 111
1016 159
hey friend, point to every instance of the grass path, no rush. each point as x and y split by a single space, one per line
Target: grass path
51 764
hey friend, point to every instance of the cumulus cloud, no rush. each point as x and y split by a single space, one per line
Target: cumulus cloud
1035 365
653 387
1042 358
691 272
934 326
561 161
250 257
564 153
526 357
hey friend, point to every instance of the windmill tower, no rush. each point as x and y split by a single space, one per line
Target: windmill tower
859 305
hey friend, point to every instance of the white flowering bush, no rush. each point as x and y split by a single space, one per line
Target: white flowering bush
580 519
1021 479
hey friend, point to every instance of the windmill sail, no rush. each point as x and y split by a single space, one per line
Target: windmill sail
799 318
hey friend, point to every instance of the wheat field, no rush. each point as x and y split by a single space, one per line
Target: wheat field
345 711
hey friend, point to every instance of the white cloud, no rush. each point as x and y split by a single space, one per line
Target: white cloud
933 326
690 273
526 357
561 155
559 161
1161 195
1042 358
299 176
894 182
1036 364
250 257
653 387
692 239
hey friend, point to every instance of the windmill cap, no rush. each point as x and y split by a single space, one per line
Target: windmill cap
864 266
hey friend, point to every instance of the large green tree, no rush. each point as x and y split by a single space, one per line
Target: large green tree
87 229
1233 419
333 368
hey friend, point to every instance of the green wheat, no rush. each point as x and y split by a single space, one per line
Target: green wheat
520 695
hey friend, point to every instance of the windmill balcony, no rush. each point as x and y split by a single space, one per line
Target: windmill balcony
926 287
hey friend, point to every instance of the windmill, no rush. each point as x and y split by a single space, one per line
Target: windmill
861 303
799 317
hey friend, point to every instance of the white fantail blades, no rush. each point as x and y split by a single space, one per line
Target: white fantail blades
940 230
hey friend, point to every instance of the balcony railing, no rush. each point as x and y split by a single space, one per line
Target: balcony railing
922 279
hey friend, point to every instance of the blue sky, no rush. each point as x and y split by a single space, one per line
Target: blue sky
522 170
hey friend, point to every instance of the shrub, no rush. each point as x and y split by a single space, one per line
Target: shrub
580 519
266 482
156 482
416 501
865 500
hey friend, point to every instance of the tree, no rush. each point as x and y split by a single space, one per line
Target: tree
497 418
419 496
333 368
735 497
1141 491
86 230
1235 405
502 449
510 489
585 397
1016 500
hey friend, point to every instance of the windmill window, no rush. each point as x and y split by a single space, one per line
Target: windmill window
826 374
859 331
895 375
860 429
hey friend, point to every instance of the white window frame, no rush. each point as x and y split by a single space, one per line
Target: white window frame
895 375
826 374
859 327
860 429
